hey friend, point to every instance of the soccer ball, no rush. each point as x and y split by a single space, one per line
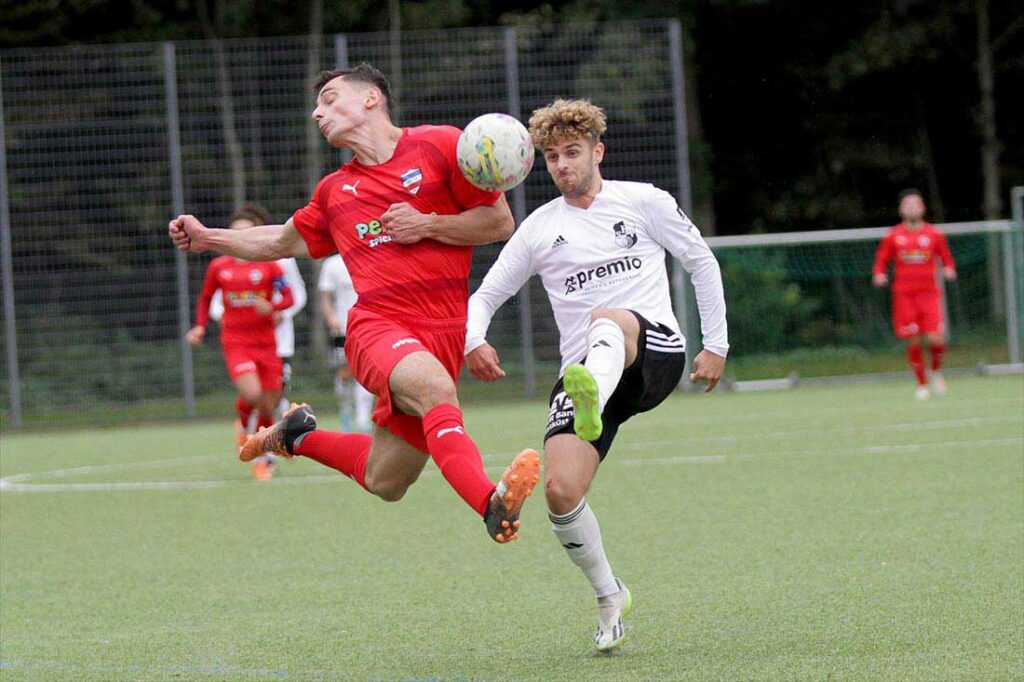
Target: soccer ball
495 152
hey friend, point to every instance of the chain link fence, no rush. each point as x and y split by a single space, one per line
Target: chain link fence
102 145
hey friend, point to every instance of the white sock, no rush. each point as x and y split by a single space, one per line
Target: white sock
343 391
364 403
580 534
606 357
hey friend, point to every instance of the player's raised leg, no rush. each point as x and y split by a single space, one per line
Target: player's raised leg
611 347
570 465
422 386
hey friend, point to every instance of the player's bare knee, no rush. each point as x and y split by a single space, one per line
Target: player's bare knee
438 390
562 497
389 490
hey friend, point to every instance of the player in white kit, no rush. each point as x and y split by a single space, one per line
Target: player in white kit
337 296
600 251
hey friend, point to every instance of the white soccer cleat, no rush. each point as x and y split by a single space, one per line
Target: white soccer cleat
922 393
610 612
938 384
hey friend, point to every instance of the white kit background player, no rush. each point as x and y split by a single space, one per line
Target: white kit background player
600 252
337 296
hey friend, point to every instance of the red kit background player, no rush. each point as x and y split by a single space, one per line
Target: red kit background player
404 219
247 329
912 247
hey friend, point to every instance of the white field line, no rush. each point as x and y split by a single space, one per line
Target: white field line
24 482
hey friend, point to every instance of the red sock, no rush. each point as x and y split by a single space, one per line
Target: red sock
937 351
915 356
264 422
244 411
344 452
457 456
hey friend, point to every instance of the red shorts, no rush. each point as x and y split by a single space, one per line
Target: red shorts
374 344
260 359
916 312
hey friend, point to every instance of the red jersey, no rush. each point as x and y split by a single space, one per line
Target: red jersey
426 280
242 283
914 253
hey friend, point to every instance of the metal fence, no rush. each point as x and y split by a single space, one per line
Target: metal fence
102 144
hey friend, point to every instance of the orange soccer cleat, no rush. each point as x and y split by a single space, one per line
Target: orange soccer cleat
516 484
296 421
263 469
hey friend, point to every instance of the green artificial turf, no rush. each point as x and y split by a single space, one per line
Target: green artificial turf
843 532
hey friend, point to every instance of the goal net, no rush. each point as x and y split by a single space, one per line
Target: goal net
803 303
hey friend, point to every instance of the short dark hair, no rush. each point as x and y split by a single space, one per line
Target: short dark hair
361 73
910 192
252 212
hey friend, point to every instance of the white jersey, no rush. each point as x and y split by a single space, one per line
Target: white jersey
335 280
284 332
610 255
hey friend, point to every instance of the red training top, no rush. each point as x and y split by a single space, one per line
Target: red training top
242 283
427 280
914 253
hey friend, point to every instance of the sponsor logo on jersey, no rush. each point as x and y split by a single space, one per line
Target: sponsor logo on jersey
560 241
625 234
617 270
375 231
411 180
351 188
915 256
242 299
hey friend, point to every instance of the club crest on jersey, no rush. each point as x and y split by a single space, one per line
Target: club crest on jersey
255 276
625 234
411 180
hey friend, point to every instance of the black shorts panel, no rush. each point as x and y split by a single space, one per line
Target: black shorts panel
644 385
336 357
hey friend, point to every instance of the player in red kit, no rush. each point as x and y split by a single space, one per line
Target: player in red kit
247 330
404 220
913 246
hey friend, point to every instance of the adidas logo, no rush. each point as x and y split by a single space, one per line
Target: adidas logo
559 242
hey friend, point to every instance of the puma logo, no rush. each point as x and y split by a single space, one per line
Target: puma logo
351 188
454 429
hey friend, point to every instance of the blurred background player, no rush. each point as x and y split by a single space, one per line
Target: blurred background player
913 246
600 251
284 327
337 296
404 219
252 293
284 331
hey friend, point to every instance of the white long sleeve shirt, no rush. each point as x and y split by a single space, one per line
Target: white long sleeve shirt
284 332
610 255
335 280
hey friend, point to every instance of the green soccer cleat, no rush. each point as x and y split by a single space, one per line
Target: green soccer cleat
580 386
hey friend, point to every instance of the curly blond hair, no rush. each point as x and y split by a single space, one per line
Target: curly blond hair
566 120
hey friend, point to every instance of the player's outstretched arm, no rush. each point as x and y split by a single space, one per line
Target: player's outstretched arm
480 225
263 243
